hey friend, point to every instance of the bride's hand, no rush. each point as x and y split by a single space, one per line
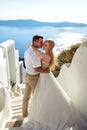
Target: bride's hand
30 46
34 48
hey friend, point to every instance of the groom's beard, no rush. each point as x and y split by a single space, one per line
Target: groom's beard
36 46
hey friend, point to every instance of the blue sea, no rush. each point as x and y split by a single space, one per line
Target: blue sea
22 36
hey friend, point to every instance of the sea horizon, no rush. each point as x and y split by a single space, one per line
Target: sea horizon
63 36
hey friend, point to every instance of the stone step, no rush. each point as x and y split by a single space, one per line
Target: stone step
16 116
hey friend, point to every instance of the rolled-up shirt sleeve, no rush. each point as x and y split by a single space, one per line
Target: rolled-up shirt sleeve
36 61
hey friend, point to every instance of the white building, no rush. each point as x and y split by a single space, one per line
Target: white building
10 67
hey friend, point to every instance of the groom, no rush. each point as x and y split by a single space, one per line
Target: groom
33 69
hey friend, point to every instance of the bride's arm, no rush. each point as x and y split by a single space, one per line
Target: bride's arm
43 56
39 53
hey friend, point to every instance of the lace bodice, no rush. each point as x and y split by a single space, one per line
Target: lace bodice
44 64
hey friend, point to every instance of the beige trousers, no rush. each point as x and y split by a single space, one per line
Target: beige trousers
30 84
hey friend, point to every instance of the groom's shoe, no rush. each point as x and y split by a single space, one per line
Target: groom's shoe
18 123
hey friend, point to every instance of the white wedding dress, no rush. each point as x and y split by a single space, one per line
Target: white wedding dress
51 107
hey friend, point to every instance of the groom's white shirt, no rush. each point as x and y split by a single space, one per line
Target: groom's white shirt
32 61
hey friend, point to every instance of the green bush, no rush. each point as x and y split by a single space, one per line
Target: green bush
65 56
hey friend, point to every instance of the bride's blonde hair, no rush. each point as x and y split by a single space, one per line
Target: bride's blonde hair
51 46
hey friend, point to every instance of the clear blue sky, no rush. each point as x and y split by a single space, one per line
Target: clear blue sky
45 10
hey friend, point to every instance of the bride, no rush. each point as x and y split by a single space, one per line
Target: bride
51 107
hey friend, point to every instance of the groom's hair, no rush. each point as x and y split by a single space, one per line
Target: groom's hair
36 38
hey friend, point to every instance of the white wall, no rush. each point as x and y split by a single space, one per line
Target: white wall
7 62
74 80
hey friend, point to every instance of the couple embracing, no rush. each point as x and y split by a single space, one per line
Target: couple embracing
51 107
